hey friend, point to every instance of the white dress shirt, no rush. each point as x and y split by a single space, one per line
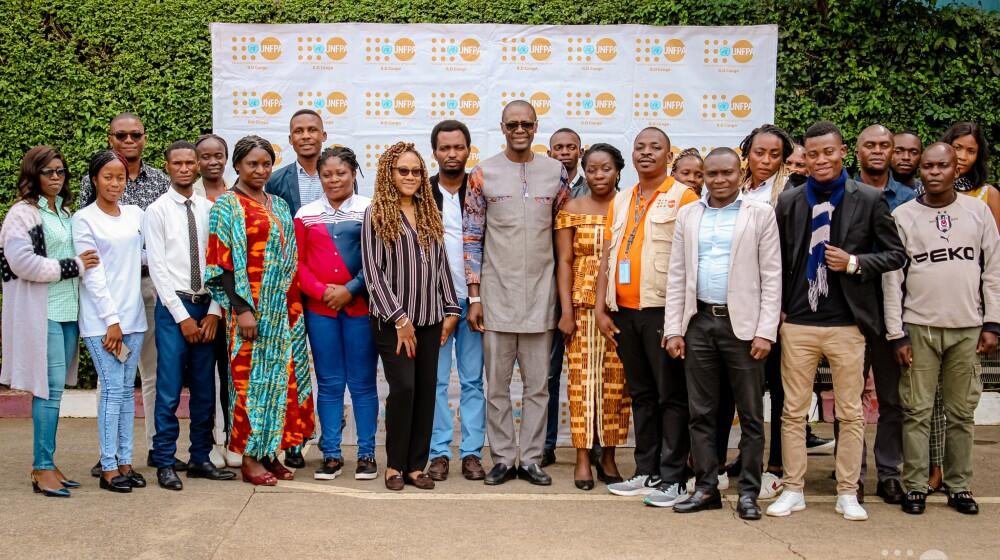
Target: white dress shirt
763 192
168 252
451 215
111 291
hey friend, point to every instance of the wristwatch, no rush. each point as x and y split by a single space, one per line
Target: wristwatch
852 265
475 299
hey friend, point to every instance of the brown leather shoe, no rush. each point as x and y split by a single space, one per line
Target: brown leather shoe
422 481
472 468
394 482
438 469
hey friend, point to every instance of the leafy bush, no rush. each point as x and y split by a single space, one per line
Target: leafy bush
67 67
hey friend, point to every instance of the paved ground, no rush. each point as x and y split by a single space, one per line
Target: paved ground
351 519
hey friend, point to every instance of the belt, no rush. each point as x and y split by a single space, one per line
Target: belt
196 299
713 309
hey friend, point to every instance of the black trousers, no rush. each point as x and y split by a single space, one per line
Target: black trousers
659 394
409 408
714 356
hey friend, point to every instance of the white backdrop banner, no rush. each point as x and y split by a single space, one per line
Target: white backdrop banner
376 84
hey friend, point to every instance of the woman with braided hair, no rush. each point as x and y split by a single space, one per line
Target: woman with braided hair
412 305
764 152
251 265
689 168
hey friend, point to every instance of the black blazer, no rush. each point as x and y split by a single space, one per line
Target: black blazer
285 183
863 227
439 198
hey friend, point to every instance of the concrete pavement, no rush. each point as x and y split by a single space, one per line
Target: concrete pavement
347 518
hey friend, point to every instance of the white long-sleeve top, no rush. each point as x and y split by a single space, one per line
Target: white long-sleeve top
111 291
168 249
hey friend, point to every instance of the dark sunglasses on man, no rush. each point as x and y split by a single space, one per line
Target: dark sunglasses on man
135 136
514 125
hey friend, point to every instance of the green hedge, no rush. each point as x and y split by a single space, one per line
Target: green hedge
66 68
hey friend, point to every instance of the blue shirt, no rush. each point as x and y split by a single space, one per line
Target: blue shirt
895 193
715 240
310 187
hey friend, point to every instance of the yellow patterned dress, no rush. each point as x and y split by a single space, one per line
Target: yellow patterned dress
596 378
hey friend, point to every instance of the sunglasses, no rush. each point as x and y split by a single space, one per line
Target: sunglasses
406 171
52 173
135 136
514 125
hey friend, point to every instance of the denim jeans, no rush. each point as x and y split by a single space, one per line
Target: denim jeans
468 346
63 339
175 356
344 356
116 406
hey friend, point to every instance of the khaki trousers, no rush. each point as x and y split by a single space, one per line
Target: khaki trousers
802 346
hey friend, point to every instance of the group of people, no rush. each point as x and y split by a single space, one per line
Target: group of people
675 301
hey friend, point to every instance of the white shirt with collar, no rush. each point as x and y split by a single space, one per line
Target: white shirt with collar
165 230
763 192
451 215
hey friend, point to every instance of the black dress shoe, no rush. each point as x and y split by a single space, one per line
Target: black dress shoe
209 471
914 503
294 458
548 457
179 466
499 474
700 501
168 479
748 509
963 502
135 479
584 484
534 474
890 490
118 483
96 470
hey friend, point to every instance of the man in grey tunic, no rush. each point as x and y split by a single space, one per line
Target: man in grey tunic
510 208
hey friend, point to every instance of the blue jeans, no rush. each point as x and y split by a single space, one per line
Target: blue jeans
468 346
175 357
61 344
344 356
116 407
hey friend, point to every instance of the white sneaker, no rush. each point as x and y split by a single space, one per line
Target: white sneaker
638 485
233 459
788 502
215 456
847 504
770 485
724 481
666 496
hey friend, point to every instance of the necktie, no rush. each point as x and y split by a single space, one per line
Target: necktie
193 245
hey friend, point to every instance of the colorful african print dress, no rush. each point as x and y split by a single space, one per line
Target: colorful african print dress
270 389
596 376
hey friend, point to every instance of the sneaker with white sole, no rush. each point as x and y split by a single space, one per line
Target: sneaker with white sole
330 469
847 504
638 485
367 469
666 495
786 503
770 485
816 445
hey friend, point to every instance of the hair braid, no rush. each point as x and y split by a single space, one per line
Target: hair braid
385 209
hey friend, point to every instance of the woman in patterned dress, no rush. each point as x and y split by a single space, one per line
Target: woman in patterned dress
598 401
251 271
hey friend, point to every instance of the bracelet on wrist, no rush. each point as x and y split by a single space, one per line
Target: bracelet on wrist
406 321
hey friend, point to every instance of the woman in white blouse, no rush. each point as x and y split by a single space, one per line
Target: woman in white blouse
112 313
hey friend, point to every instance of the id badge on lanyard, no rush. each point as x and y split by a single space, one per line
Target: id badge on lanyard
624 272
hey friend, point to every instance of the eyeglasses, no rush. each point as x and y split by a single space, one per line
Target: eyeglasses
135 136
514 125
52 173
406 171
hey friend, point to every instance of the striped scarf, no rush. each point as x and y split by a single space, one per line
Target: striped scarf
819 227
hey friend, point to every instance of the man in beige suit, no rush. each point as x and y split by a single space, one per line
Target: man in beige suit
722 313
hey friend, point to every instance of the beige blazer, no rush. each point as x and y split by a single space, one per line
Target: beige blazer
754 292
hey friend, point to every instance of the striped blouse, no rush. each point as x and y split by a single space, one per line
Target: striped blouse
403 284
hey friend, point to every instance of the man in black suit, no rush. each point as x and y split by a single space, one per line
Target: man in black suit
837 238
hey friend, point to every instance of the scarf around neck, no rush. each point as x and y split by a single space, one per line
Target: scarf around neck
819 227
963 184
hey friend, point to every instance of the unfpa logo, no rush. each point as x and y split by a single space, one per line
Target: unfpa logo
653 50
381 49
717 106
473 157
720 52
518 49
651 105
277 154
250 104
586 104
313 49
448 104
585 49
335 103
249 49
539 100
452 51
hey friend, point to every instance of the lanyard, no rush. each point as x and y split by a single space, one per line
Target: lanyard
637 217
